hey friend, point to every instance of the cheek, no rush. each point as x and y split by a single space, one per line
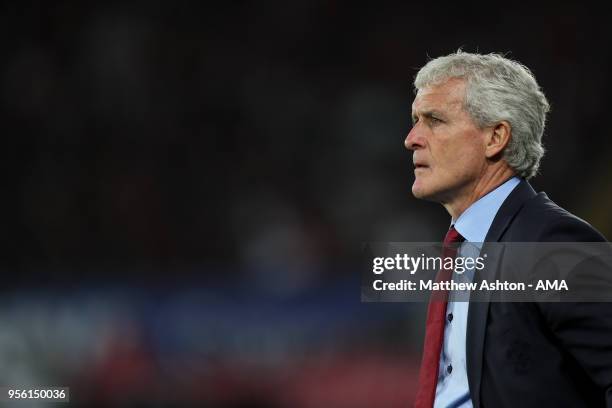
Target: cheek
469 156
465 158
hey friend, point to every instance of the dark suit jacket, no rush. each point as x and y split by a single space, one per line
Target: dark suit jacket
539 354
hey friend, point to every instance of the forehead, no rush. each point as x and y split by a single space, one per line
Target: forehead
446 96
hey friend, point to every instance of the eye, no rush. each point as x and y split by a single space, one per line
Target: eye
435 121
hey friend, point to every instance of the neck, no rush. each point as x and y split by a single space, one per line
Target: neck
473 192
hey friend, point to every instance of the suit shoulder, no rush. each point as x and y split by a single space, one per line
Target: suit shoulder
541 220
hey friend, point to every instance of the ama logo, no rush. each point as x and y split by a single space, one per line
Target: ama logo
551 285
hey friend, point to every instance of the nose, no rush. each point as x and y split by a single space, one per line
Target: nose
415 139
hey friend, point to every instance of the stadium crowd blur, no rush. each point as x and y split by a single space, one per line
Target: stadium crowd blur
188 189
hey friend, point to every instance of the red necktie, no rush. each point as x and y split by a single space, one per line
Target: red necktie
434 329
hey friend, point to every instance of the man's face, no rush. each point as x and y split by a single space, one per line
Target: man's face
448 148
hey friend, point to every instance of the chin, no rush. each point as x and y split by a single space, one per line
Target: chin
424 192
419 191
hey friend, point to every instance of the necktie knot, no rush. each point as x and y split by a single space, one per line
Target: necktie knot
452 236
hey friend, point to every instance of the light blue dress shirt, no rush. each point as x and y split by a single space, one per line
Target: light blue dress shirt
453 390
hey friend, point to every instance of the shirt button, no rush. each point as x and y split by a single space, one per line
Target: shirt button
449 368
450 317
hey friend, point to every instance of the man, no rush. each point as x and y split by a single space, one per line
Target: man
478 125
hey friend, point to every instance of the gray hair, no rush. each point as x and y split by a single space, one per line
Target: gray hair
497 88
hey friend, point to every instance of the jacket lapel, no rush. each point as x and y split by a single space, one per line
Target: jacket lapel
479 310
508 210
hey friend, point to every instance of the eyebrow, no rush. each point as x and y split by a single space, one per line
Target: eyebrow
428 114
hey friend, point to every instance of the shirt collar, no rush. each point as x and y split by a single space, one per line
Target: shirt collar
475 222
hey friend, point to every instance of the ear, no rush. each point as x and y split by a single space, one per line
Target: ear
500 136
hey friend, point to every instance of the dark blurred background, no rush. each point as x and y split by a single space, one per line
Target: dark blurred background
187 188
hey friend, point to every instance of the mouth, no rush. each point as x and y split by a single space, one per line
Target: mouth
419 166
